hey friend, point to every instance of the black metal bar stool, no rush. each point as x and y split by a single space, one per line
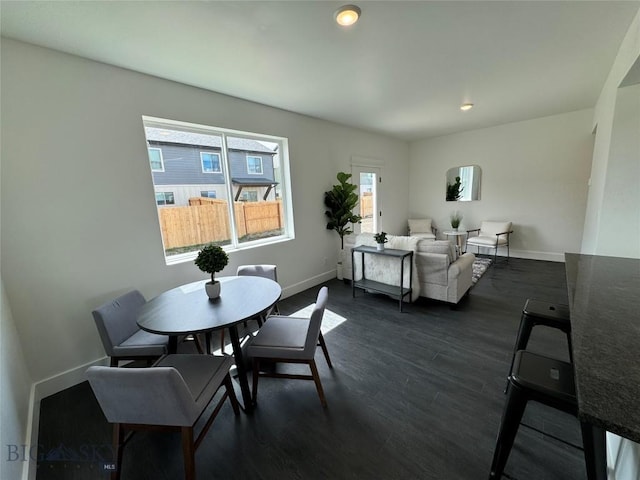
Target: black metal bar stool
545 380
539 312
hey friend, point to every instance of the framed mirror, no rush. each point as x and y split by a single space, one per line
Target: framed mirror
463 184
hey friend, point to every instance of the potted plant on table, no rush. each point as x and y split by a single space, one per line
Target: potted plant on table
341 201
211 259
381 239
456 218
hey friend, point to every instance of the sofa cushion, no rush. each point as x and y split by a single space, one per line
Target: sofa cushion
444 247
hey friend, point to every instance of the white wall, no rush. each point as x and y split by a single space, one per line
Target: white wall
78 210
619 232
628 55
15 388
534 173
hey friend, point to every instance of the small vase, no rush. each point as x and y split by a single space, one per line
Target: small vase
380 246
455 229
212 289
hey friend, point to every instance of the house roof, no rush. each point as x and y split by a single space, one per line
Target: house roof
199 139
253 181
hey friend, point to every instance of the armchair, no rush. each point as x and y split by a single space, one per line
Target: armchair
490 235
423 228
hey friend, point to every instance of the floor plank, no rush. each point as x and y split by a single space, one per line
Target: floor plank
416 394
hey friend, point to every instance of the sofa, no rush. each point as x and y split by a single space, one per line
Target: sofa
439 272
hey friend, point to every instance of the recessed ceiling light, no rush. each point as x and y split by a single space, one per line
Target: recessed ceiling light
466 107
347 15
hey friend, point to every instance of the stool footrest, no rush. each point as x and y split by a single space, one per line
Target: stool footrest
546 434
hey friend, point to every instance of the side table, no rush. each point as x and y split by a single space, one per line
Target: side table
396 291
459 234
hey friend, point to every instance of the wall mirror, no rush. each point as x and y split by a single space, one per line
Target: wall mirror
463 184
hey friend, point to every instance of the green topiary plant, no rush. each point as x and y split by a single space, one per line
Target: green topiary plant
340 202
211 259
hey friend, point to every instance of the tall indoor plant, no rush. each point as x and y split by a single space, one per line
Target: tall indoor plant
341 201
211 259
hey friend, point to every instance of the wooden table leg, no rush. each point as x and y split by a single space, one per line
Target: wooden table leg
240 367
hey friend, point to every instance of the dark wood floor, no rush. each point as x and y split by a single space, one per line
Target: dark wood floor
413 395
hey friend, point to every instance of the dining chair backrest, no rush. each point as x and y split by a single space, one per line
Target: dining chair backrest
144 396
116 319
266 271
315 322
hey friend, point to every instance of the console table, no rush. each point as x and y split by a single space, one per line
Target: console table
396 291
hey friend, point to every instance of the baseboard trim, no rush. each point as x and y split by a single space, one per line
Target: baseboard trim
308 283
526 254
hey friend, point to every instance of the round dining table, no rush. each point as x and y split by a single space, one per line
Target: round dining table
187 310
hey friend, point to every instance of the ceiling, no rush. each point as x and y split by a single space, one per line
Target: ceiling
404 69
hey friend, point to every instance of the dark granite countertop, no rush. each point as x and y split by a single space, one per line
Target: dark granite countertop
604 298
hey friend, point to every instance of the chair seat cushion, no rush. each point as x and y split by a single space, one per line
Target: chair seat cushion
486 241
279 336
201 373
142 343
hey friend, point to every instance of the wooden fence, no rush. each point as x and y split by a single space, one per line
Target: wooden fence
366 205
207 220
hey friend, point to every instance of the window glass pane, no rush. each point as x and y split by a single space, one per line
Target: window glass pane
155 159
254 165
210 162
221 188
256 180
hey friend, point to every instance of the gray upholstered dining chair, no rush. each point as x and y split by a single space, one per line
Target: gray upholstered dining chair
172 395
266 271
291 340
121 337
490 235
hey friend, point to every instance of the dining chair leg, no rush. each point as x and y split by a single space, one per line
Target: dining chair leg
198 343
323 345
118 444
188 451
232 394
255 375
316 379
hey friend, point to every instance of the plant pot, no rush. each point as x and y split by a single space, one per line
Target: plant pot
339 273
455 229
212 289
380 246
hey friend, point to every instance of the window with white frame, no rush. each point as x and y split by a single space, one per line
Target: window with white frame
165 198
254 165
155 159
210 162
249 195
189 156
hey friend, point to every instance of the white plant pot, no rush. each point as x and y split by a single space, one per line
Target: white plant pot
339 273
212 289
380 246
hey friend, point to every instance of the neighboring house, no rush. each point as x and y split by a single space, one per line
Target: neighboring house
187 164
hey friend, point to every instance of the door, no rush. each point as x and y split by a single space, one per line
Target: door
369 181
